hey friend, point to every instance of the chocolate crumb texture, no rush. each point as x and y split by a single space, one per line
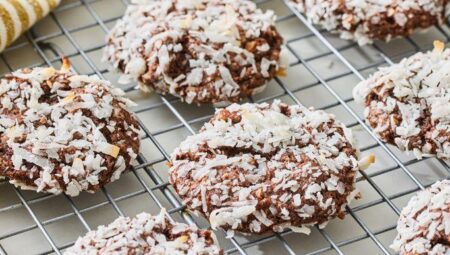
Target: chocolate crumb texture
64 133
364 21
201 51
147 234
255 168
424 224
408 104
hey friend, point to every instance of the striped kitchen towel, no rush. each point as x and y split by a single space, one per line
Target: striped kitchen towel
17 16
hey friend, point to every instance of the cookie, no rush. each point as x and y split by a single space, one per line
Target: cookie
147 234
255 168
364 21
424 224
407 104
200 51
64 133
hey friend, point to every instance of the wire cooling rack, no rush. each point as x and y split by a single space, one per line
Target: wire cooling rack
323 70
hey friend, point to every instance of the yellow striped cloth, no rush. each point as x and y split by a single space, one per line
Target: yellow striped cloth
17 16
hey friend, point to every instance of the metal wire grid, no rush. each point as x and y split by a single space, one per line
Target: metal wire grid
307 47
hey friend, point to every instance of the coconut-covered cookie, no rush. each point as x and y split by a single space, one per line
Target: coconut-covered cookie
199 50
364 21
62 132
267 167
147 234
424 224
408 104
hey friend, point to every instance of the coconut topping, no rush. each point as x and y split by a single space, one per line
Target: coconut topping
62 132
424 224
201 51
147 234
267 167
364 20
408 104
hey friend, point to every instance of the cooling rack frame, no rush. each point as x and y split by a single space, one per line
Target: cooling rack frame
154 186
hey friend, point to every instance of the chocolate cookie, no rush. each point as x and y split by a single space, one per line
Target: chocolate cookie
364 21
267 167
201 51
408 104
147 234
424 224
62 132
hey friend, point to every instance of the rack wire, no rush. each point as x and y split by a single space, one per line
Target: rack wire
323 70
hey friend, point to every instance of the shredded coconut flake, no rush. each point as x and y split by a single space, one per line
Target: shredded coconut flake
54 124
250 160
423 226
146 234
172 47
410 104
